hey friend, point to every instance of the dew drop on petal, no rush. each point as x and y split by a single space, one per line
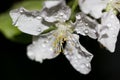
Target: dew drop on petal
78 17
43 45
81 21
86 31
109 25
94 31
75 64
39 29
82 65
76 61
21 10
39 18
51 49
79 56
117 22
86 24
61 13
113 35
112 29
87 58
87 64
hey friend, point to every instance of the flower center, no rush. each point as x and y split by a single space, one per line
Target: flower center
113 5
61 35
116 4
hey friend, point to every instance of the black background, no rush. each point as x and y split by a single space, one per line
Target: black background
15 64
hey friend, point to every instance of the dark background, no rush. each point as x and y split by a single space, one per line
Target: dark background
15 64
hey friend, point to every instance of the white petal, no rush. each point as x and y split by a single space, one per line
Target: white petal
28 22
50 4
93 7
60 12
85 26
42 48
108 30
78 56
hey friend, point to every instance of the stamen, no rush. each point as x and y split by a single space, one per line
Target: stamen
114 5
61 35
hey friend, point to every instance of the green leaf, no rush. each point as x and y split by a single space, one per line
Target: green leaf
30 4
11 32
6 26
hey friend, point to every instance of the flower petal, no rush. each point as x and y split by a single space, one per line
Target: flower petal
61 12
85 26
50 4
28 21
93 7
78 56
42 48
108 30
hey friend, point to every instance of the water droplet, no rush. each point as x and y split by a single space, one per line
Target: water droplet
46 18
74 58
75 64
76 61
78 17
112 29
82 65
61 13
86 24
114 35
39 17
94 31
21 11
43 45
65 17
79 56
39 29
86 31
87 58
117 22
51 49
87 64
109 24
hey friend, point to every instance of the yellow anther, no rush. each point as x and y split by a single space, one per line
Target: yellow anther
61 35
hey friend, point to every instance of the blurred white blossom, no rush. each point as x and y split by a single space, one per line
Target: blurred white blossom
95 7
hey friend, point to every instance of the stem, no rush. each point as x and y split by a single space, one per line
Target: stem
73 9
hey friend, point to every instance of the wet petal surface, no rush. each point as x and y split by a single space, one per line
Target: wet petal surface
78 56
85 26
41 48
61 12
108 30
28 21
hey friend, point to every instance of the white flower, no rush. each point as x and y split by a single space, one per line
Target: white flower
49 45
63 38
95 7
